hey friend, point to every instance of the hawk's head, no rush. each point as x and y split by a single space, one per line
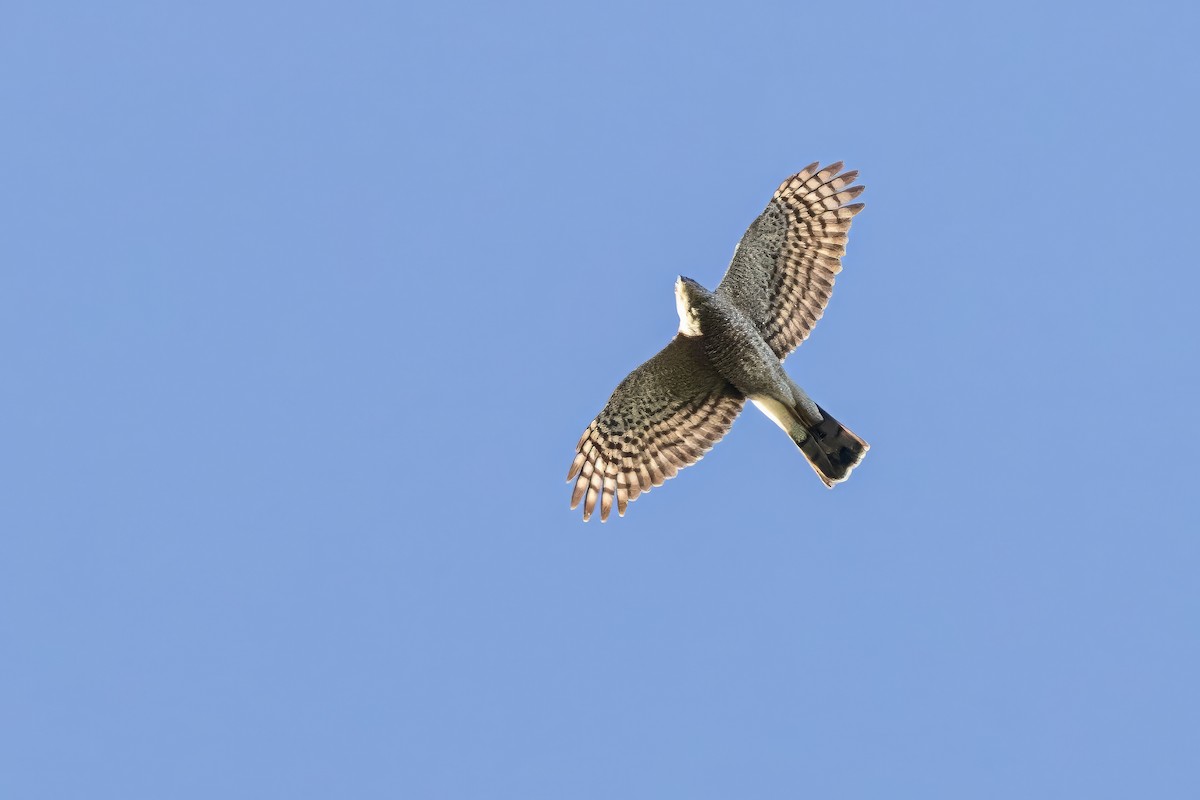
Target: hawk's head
688 294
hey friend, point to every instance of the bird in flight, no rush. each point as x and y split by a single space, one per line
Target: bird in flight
731 344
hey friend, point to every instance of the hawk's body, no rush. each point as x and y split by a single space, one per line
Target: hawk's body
671 410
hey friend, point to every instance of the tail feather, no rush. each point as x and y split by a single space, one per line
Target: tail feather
832 450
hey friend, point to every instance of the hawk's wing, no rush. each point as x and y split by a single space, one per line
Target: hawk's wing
663 417
782 270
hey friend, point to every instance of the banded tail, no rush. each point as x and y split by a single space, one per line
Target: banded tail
831 449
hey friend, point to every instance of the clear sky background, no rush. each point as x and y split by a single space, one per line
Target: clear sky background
303 307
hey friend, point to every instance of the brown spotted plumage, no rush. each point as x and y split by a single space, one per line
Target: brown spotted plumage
663 417
782 271
671 410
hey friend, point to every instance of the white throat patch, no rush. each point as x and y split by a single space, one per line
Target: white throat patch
689 321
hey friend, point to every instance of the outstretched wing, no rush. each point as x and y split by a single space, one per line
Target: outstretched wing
782 271
663 417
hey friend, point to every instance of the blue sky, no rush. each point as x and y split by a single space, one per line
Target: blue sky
304 306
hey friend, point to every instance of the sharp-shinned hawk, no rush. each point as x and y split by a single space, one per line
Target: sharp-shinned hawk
731 345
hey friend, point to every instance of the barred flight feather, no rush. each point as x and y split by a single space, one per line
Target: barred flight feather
783 270
664 417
